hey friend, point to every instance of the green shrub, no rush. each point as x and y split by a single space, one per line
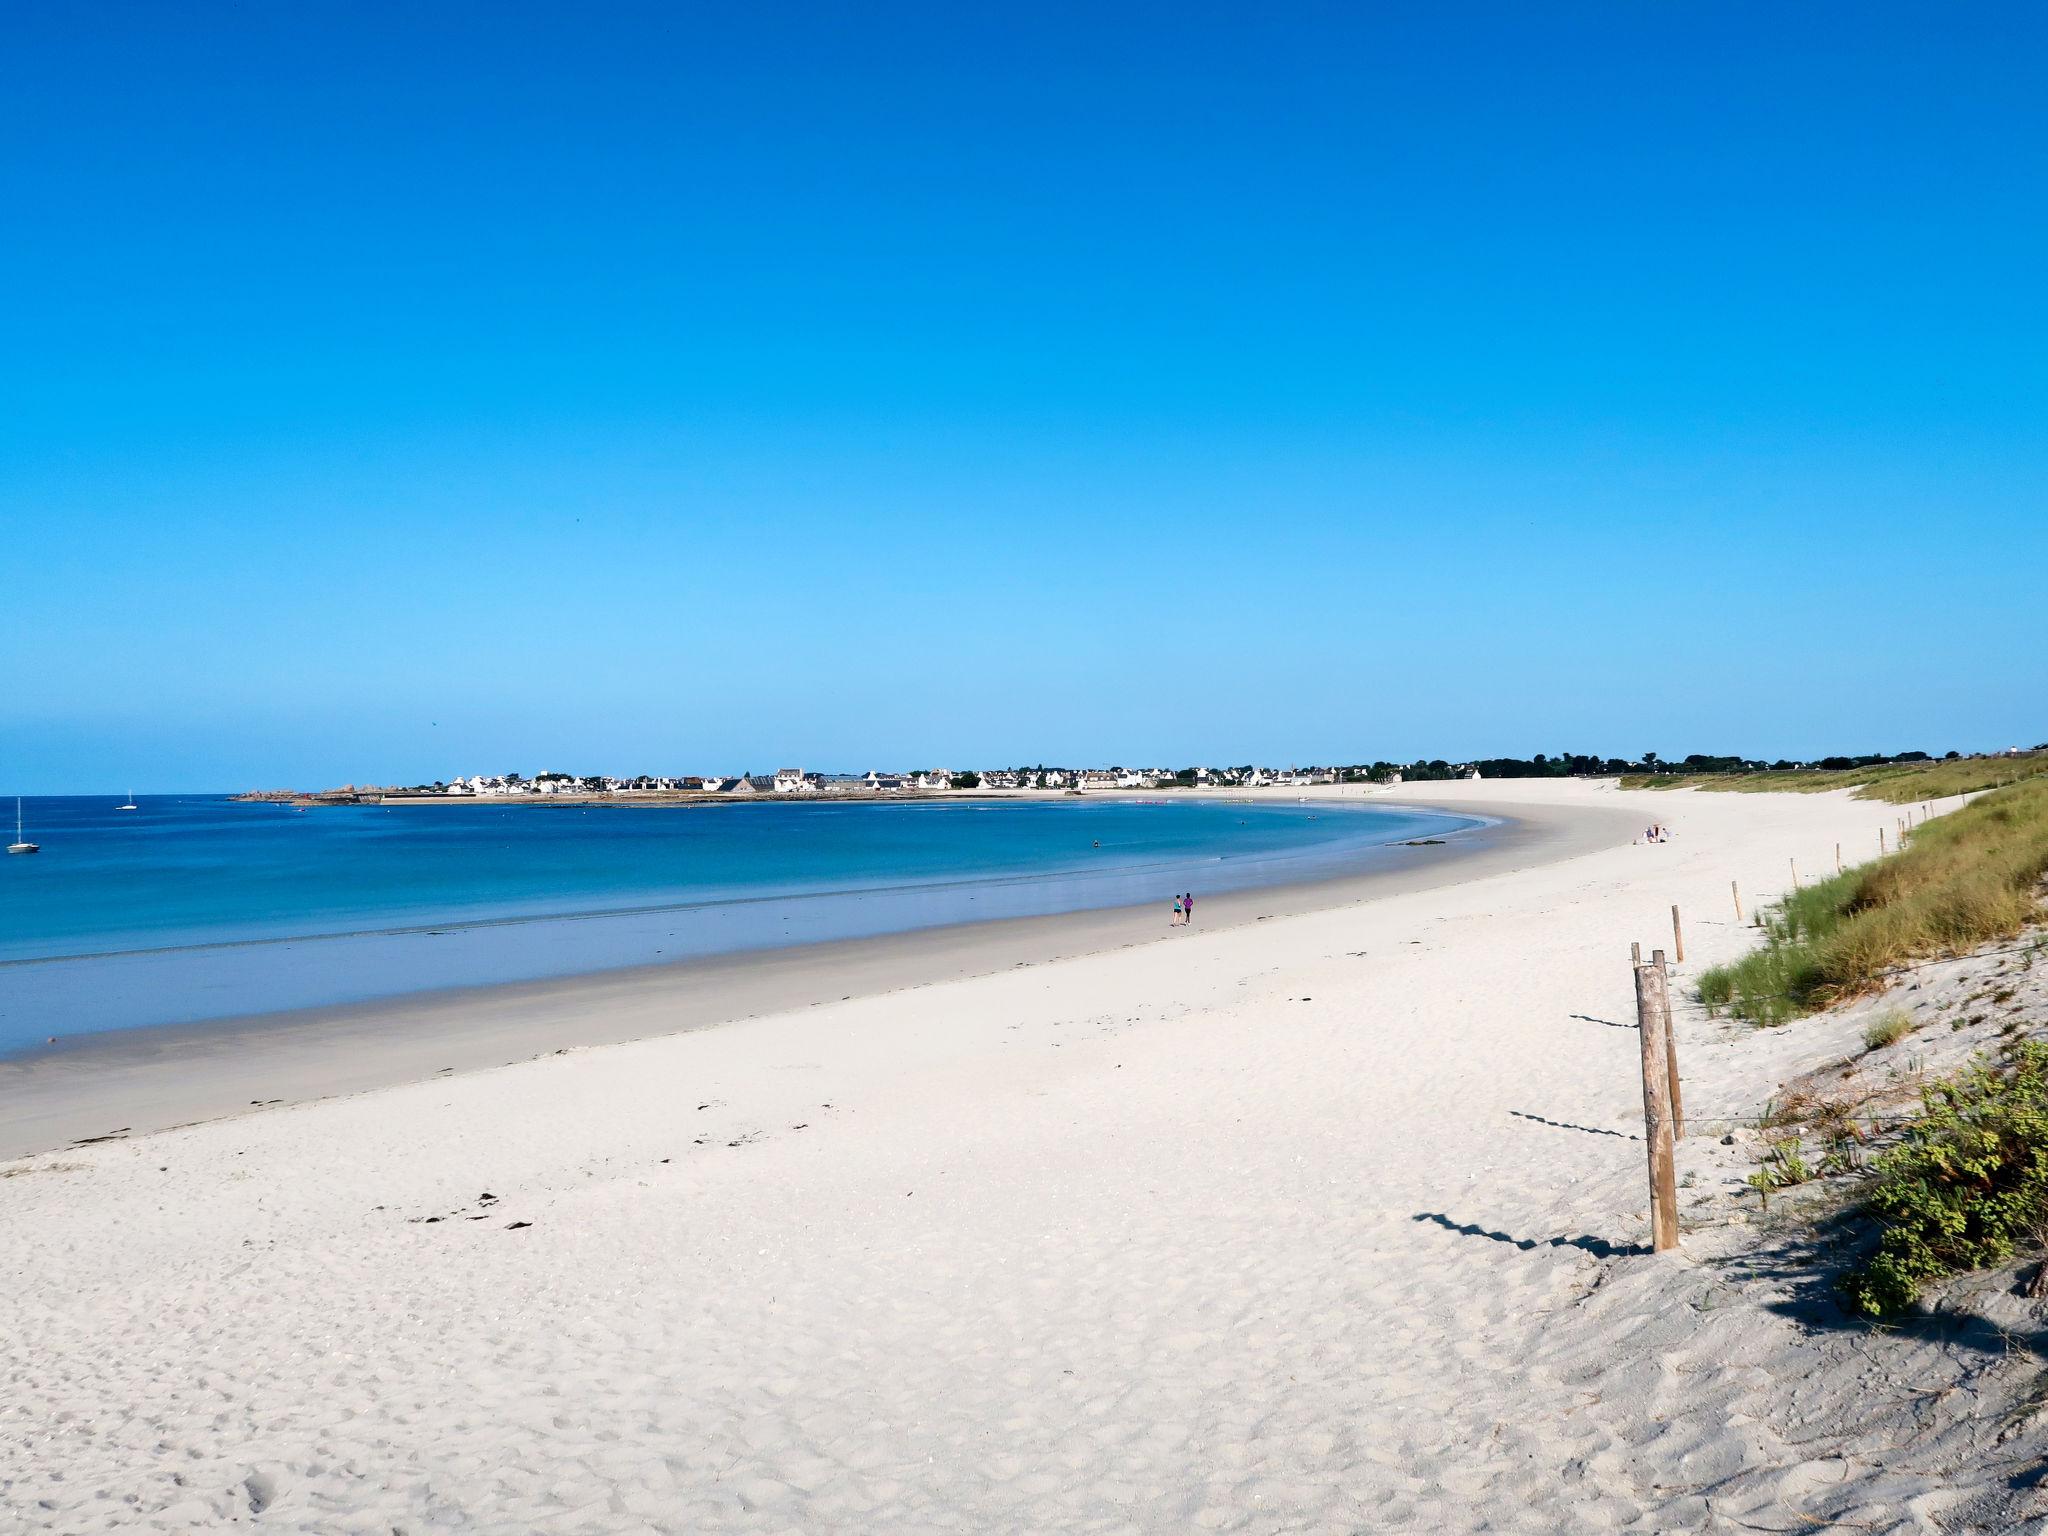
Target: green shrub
1968 1184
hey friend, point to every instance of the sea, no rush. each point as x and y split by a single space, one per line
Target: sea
201 907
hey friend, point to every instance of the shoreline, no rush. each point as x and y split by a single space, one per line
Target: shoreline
422 926
135 1082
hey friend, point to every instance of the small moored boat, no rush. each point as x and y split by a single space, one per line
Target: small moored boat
21 844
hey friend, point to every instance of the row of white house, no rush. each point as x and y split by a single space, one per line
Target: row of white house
794 781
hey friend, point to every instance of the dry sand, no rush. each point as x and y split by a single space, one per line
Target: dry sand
1320 1223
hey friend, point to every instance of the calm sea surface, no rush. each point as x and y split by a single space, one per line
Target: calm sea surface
195 907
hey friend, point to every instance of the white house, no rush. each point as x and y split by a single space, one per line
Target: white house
791 781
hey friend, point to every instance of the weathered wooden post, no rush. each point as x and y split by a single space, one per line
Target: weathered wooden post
1671 1051
1677 936
1735 890
1838 858
1657 1137
1795 872
1880 842
1635 954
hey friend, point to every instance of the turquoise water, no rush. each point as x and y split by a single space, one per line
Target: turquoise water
196 907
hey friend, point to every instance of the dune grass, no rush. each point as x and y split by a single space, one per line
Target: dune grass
1965 879
1887 1029
1896 783
1907 785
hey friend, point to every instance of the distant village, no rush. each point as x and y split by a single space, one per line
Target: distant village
796 781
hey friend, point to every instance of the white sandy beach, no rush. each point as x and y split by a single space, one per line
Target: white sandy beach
1326 1222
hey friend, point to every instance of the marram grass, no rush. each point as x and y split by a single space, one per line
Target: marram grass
1964 880
1897 783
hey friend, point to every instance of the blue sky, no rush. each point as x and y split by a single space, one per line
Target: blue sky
388 392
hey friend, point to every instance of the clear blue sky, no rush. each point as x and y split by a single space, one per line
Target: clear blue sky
394 391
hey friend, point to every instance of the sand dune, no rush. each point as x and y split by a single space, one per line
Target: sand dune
1323 1223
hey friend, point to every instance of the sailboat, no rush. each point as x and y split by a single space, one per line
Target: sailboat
20 843
131 802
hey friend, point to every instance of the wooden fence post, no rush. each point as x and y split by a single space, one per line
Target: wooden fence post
1735 890
1677 936
1838 858
1671 1050
1880 842
1657 1139
1795 872
1635 954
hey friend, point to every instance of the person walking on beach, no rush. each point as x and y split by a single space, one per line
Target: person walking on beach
1187 907
1176 911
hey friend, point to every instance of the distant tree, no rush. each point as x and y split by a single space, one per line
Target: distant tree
967 781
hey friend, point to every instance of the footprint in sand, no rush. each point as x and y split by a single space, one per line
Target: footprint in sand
260 1488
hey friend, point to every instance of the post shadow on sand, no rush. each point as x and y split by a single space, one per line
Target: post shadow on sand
1809 1260
1567 1125
1591 1019
1599 1247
